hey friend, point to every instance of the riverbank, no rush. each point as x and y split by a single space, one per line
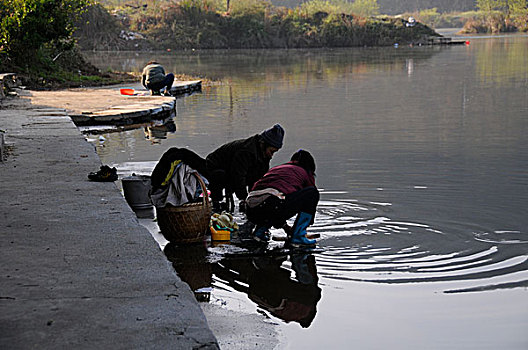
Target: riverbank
246 25
257 24
78 268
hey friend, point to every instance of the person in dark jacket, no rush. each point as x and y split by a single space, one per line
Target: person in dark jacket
284 191
154 78
237 165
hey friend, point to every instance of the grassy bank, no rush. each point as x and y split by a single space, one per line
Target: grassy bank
496 22
250 24
69 70
472 22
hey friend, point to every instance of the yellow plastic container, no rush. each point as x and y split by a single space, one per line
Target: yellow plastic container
220 235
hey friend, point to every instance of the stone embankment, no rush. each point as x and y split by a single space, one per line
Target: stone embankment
77 268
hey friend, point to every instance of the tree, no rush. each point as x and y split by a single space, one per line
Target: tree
27 25
491 5
517 7
365 7
512 7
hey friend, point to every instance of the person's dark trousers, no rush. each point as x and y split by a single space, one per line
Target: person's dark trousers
274 211
166 83
217 182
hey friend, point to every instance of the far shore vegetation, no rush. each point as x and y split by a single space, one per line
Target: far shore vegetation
42 40
489 16
244 24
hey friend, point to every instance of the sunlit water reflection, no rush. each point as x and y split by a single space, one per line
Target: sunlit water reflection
422 162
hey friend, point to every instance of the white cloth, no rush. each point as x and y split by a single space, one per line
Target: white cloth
255 198
181 189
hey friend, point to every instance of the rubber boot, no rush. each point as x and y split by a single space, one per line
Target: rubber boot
261 234
299 231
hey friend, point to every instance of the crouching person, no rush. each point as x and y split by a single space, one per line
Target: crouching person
153 78
237 165
284 191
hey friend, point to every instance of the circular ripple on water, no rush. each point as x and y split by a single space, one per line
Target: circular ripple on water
364 243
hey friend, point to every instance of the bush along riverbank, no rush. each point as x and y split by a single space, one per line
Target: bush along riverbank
253 24
36 43
496 22
473 22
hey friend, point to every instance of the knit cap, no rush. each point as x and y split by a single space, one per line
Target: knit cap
273 136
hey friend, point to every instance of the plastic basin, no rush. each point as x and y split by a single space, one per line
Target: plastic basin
127 91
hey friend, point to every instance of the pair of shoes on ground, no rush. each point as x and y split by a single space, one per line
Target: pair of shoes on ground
105 174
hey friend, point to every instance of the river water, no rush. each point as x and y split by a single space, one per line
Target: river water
422 163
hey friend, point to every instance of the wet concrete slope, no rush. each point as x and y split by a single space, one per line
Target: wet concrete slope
77 269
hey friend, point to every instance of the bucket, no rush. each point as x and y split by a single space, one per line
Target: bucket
136 189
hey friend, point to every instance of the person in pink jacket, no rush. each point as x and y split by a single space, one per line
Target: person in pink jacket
284 191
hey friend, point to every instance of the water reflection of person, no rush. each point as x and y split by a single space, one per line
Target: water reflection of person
158 132
271 287
191 264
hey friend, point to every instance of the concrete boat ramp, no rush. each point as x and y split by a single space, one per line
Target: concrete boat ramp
77 269
107 106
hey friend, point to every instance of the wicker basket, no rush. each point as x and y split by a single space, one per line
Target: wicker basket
187 223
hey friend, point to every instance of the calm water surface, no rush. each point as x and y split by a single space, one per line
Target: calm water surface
422 159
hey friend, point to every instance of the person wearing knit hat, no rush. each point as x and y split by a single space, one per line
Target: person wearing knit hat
237 165
274 136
